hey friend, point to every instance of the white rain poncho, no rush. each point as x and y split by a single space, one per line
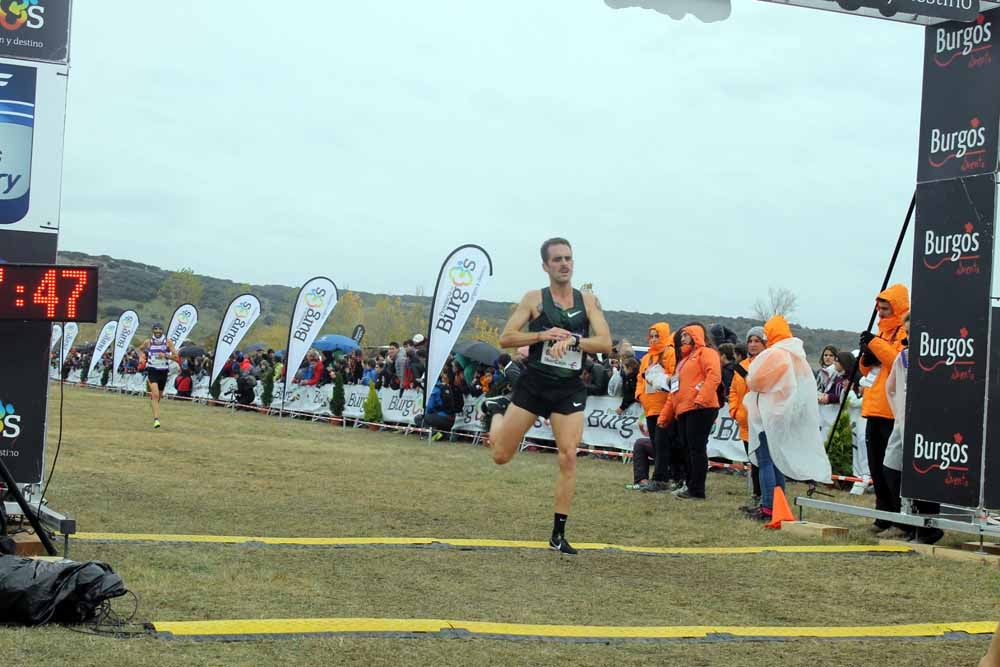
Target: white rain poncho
782 403
895 391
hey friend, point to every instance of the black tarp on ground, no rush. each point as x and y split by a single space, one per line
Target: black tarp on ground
33 592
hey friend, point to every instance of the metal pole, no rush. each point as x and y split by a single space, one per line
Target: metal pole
11 485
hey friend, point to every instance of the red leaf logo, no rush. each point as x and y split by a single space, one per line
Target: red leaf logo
958 438
980 19
974 123
968 228
964 332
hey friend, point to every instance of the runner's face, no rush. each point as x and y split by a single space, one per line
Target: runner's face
157 332
559 265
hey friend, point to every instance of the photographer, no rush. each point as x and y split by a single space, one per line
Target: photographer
877 355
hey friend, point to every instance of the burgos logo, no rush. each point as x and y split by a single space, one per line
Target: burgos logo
14 14
461 274
961 248
959 144
949 352
184 316
461 277
973 40
929 455
314 298
10 421
242 310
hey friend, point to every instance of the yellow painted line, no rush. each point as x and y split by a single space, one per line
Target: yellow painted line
492 544
332 626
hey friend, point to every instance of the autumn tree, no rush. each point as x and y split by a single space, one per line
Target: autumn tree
181 286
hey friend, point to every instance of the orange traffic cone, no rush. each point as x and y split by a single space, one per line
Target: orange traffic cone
780 511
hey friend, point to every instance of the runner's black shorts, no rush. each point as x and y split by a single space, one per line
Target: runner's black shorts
542 396
158 377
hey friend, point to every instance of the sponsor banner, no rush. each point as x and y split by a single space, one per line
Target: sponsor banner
359 333
960 112
70 332
243 311
991 480
315 302
128 324
949 331
461 279
35 29
57 333
181 324
104 341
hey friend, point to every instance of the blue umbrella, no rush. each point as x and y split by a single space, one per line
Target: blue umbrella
332 342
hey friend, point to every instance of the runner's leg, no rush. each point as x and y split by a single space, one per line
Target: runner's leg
568 431
507 431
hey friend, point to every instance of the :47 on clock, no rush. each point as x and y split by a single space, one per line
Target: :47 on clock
48 292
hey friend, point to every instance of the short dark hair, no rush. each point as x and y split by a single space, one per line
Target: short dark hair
741 350
556 240
727 350
393 344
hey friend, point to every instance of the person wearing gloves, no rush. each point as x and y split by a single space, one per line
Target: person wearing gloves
756 342
783 416
652 383
878 352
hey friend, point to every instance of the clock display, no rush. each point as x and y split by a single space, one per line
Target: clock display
48 292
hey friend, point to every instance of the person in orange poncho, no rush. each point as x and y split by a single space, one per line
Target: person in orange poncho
652 383
877 354
694 402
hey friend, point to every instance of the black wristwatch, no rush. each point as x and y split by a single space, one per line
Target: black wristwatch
576 340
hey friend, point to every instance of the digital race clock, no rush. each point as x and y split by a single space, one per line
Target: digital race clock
48 292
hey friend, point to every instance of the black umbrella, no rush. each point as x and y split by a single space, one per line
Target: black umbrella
479 351
192 351
89 347
253 347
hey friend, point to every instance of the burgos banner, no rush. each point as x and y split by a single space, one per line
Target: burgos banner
314 304
240 316
459 283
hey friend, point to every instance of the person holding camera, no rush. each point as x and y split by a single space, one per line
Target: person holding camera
878 352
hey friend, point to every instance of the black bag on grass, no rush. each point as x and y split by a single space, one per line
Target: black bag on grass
33 592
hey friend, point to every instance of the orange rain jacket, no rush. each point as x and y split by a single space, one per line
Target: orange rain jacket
888 344
663 351
737 390
699 375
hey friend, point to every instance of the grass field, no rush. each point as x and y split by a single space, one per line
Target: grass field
212 471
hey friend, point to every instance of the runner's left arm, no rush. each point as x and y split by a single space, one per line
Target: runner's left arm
173 352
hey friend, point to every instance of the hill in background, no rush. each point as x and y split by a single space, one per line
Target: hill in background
127 284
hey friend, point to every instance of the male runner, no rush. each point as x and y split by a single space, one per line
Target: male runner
563 326
155 354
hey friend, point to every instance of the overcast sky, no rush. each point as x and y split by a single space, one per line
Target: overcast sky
692 165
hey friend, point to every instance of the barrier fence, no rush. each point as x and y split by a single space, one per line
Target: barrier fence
603 426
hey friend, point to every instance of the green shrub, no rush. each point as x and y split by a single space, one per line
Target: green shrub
841 448
373 406
216 389
267 389
338 400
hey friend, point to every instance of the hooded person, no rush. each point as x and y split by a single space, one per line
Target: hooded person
695 402
783 414
651 390
878 352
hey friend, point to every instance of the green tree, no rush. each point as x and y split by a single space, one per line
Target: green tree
267 388
233 291
346 315
841 450
181 286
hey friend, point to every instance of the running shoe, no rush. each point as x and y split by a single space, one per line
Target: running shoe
156 423
562 546
437 436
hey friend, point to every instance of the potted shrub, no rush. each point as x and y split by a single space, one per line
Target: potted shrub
106 376
373 409
216 389
338 400
267 390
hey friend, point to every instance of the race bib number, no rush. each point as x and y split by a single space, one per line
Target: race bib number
869 380
572 360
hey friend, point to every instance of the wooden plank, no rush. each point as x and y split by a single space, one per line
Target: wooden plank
28 545
988 547
811 529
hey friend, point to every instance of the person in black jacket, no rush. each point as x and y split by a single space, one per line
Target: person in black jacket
595 378
630 371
